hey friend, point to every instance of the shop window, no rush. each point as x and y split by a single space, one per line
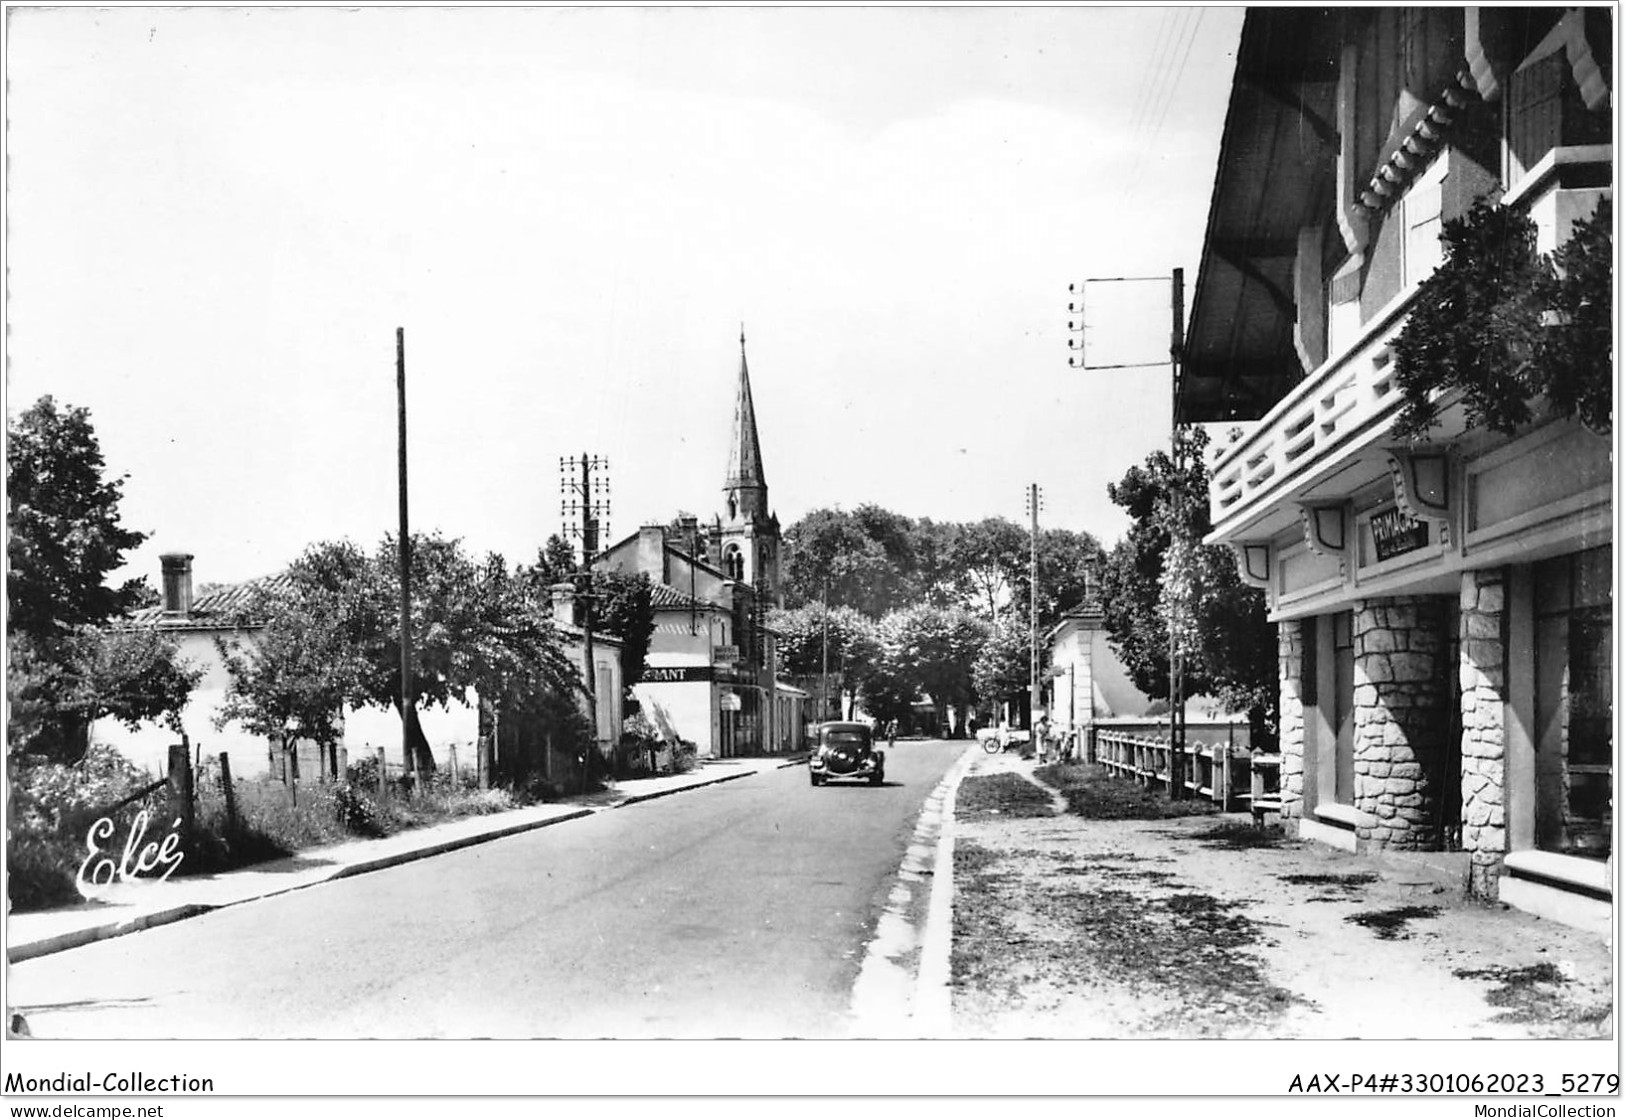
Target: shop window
1574 700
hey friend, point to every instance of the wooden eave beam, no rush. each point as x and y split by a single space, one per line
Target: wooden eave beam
1285 92
1244 265
1255 248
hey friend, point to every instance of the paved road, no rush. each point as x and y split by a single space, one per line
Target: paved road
735 911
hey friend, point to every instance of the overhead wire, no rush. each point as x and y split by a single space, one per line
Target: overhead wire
1163 98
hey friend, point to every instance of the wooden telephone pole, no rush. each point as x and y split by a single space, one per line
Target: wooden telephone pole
1177 497
588 496
409 762
1034 499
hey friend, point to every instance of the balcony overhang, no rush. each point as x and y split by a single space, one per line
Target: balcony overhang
1277 161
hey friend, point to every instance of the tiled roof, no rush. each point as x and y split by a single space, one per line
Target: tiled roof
663 596
217 609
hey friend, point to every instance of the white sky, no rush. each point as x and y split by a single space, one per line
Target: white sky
218 217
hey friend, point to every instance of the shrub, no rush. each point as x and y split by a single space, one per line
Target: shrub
363 772
684 756
53 806
355 811
1504 324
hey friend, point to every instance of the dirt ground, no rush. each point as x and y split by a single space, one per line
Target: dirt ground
1205 927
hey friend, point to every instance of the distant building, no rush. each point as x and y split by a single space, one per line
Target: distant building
1444 607
711 674
1090 681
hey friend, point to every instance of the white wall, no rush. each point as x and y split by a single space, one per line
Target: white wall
682 709
148 745
365 729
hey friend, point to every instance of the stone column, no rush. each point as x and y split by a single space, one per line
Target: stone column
1483 728
1399 722
1289 651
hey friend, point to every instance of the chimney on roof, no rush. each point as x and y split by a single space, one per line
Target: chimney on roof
564 603
689 525
177 583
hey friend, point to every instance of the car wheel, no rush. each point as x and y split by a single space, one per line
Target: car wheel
816 780
878 778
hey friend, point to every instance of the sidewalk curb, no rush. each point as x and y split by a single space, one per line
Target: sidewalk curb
441 848
74 939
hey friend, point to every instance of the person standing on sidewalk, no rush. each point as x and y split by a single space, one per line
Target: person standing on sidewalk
1041 739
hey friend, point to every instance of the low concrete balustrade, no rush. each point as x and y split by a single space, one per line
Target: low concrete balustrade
1353 394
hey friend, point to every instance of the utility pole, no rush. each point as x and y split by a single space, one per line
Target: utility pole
823 687
1176 493
1035 498
1176 349
405 562
588 496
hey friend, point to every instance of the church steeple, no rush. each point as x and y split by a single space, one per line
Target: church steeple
749 533
745 489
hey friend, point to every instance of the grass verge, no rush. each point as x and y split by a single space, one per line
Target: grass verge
1092 792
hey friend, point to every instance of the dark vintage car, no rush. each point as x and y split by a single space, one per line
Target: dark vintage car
846 750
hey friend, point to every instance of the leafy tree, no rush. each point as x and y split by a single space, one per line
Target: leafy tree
65 536
990 557
57 688
1229 645
849 637
1504 324
1003 668
293 679
831 552
893 584
935 577
555 563
1067 563
890 688
624 607
935 649
474 627
1577 353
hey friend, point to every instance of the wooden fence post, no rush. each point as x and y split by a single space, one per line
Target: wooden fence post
383 774
180 780
231 793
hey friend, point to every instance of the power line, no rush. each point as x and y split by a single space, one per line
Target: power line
1165 98
1178 74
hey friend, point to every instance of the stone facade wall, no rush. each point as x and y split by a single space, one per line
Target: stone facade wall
1289 647
1399 720
1483 727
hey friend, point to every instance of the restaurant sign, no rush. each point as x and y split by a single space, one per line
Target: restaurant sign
675 674
1394 534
